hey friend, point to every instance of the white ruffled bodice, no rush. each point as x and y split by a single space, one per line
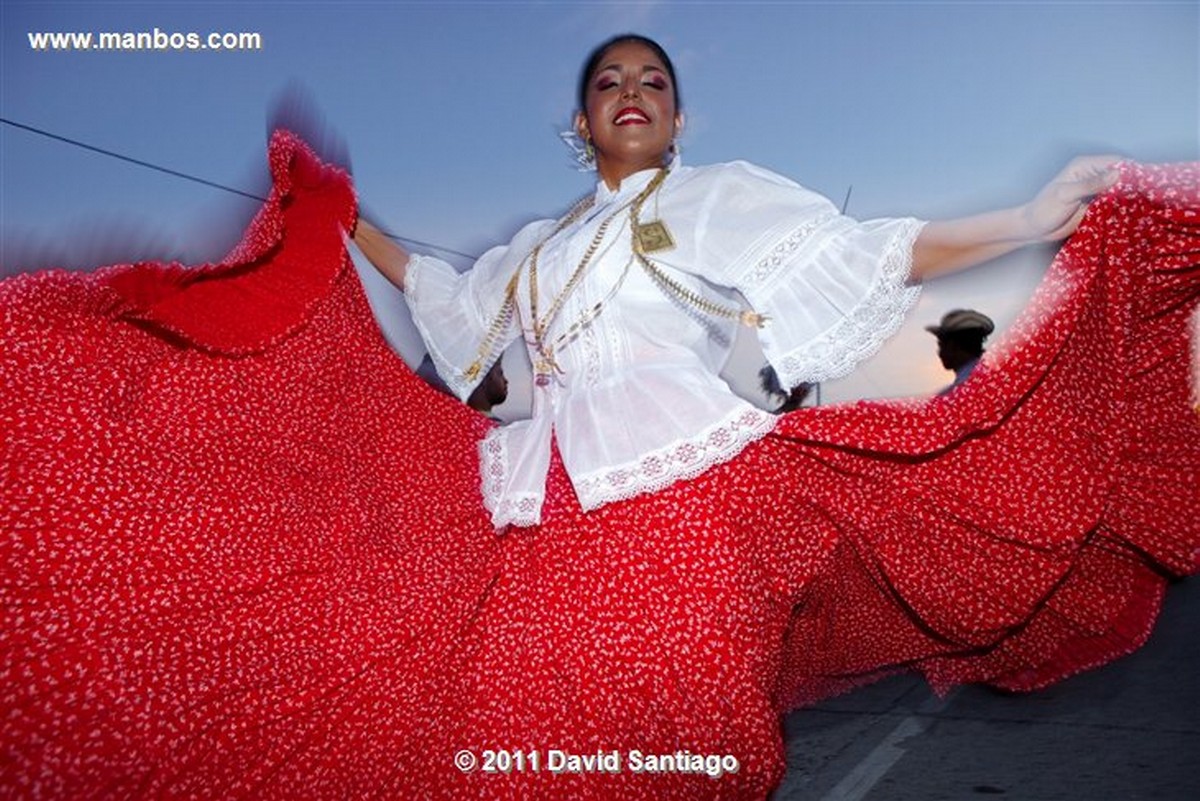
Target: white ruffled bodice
637 402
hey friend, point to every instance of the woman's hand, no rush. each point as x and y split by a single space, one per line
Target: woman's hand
1055 212
946 246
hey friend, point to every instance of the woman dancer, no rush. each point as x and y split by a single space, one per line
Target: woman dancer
616 305
250 552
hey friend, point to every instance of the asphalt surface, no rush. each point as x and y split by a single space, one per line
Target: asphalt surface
1127 731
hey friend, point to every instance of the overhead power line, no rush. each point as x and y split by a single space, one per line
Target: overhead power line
196 179
130 159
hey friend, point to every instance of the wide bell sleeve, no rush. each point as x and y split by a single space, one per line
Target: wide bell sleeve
456 313
833 289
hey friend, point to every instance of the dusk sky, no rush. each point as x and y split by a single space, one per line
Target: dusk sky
450 112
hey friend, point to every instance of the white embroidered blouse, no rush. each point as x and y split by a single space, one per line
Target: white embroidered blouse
637 402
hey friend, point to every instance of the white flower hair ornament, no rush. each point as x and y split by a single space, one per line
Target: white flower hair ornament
581 152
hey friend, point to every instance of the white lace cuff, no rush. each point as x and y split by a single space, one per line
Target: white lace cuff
834 290
873 320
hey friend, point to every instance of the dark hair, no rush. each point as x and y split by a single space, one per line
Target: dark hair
596 55
768 379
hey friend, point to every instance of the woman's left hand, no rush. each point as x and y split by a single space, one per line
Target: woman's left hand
1055 212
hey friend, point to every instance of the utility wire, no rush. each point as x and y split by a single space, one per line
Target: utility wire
197 179
130 159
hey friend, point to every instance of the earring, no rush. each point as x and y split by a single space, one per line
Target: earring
583 153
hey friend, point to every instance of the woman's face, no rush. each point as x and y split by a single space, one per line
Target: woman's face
630 115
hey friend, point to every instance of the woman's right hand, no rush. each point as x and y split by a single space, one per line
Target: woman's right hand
1055 212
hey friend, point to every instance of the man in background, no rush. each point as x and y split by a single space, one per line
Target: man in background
960 336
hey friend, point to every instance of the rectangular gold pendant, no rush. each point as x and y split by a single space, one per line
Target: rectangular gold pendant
654 236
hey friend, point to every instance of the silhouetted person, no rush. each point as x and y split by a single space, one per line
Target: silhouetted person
491 391
960 337
789 399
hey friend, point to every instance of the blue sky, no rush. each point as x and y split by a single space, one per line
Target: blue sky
449 112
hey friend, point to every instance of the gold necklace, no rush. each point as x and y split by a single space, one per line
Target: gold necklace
647 237
747 317
504 316
544 363
654 236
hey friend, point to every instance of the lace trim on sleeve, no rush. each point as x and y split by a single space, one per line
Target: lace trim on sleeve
517 510
681 460
873 321
512 508
781 254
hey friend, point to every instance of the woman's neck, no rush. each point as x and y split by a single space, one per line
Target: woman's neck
613 173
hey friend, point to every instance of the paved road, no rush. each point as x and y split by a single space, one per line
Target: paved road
1128 731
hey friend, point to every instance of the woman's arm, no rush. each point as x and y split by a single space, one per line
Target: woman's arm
947 246
387 257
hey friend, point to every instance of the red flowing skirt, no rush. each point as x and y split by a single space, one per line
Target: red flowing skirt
245 554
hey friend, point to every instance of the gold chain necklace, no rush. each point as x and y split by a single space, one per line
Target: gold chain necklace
654 236
544 364
648 237
504 316
747 317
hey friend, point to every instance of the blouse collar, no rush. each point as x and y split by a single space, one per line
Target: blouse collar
631 184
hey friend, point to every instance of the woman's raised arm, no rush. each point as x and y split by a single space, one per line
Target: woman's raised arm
947 246
389 258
